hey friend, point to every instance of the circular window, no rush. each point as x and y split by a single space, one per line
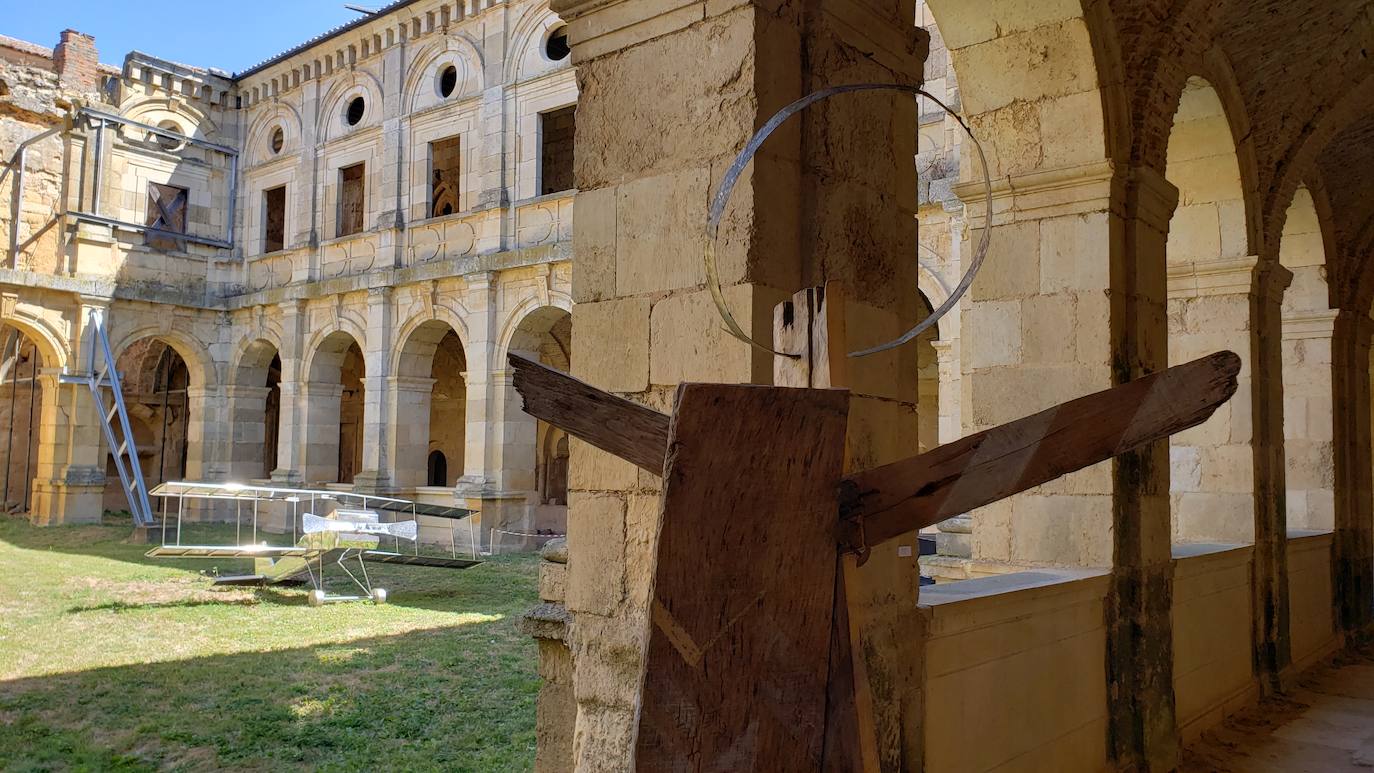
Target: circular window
448 81
278 140
556 47
169 143
354 113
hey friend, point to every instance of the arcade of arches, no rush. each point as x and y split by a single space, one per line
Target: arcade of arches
1168 179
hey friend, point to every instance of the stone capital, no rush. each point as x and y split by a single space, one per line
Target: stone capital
411 383
241 392
1299 325
1216 276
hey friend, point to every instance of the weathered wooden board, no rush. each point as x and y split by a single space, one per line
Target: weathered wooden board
995 464
627 429
739 643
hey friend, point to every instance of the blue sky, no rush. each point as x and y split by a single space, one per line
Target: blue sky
229 34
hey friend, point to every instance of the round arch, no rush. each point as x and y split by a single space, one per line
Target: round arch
536 311
457 50
199 364
259 143
421 331
52 347
359 83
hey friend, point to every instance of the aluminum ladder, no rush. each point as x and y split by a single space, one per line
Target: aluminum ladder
121 442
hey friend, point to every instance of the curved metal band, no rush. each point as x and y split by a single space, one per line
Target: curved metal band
727 186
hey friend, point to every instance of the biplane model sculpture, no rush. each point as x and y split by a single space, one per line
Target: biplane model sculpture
328 529
752 661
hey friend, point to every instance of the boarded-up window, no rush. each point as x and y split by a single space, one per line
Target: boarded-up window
444 186
351 199
166 213
274 219
556 132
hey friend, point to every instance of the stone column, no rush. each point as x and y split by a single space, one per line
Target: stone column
70 484
1071 301
1353 554
480 352
696 80
207 436
373 477
291 436
248 431
319 436
1308 439
409 420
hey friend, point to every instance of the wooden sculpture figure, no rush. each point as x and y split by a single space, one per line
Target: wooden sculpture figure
749 663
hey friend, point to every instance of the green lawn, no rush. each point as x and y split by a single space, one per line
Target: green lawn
113 661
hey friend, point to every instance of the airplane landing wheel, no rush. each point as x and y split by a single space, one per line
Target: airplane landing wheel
379 595
316 598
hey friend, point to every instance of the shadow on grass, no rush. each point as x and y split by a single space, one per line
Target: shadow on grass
454 698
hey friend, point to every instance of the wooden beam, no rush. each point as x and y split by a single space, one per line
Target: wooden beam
882 503
637 434
740 631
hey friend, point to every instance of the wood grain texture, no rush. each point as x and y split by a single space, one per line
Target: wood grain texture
739 643
637 434
1006 460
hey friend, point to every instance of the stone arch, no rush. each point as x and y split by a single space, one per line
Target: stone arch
1211 269
25 396
161 398
199 363
532 311
358 82
255 397
439 317
541 331
457 50
153 111
333 398
283 115
430 394
1308 410
527 41
51 343
1071 93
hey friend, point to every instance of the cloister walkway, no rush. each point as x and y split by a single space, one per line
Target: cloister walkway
1325 725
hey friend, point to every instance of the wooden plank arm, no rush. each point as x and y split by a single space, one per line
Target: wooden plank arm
637 434
914 493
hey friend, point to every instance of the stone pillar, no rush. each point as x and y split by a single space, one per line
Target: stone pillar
644 322
248 431
68 487
1272 642
318 438
409 420
374 476
207 433
1308 438
70 483
1353 553
480 352
548 624
291 436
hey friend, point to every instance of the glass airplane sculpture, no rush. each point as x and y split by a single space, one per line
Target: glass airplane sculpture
327 528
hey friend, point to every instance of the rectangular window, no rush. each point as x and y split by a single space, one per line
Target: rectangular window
166 212
444 183
557 130
351 199
274 219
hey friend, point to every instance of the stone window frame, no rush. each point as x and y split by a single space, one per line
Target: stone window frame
143 168
335 160
255 225
551 92
461 121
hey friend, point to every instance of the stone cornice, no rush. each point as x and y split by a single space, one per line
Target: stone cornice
1309 324
1096 186
1223 276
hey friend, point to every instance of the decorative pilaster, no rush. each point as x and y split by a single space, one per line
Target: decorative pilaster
374 476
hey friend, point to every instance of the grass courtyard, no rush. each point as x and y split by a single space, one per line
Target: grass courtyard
113 661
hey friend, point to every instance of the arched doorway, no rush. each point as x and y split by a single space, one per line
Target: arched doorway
333 395
154 380
1209 278
21 410
430 416
1308 411
534 457
256 411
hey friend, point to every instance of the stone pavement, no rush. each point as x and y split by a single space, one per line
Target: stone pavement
1325 725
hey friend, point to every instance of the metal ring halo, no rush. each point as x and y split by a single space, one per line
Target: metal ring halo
727 186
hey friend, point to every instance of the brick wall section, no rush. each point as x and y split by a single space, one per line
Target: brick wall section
76 62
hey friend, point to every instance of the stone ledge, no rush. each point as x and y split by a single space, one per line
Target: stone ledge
546 621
